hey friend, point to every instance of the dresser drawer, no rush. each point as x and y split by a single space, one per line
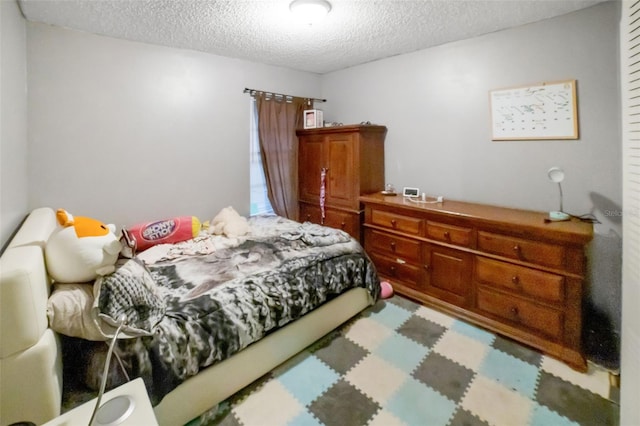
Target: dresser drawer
396 268
524 314
406 224
525 281
525 250
310 213
348 222
392 245
449 233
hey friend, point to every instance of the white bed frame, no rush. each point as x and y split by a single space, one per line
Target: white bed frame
30 353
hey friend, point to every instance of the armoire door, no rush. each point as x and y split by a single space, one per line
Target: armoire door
311 162
342 177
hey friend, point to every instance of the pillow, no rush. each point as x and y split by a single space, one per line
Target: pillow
69 312
172 230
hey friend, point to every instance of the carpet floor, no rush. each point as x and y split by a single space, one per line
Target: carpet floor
400 363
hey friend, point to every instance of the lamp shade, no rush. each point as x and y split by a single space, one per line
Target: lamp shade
556 174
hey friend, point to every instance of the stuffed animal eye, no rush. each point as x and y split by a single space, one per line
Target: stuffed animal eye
103 227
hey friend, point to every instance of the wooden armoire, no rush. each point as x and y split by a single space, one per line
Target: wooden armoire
345 161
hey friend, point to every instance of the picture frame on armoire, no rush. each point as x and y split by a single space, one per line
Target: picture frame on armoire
535 112
313 118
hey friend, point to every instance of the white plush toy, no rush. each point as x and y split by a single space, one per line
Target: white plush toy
81 249
229 223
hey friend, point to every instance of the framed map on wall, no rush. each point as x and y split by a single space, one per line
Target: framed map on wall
544 111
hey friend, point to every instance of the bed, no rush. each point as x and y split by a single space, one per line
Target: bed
325 275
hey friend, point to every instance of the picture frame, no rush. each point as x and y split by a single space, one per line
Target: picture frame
313 118
535 112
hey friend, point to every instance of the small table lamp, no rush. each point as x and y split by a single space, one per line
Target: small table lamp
556 174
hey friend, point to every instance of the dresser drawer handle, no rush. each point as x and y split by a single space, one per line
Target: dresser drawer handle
447 236
514 311
342 225
516 248
393 223
392 269
426 267
393 246
515 279
309 217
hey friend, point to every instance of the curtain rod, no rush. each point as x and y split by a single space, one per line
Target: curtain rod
254 91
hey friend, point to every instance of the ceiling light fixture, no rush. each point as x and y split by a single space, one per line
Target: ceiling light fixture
310 11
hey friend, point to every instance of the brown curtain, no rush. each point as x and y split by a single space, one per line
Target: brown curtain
278 119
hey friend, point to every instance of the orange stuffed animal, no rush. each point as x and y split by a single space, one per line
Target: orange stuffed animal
81 249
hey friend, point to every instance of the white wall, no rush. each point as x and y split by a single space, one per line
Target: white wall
129 132
13 119
435 103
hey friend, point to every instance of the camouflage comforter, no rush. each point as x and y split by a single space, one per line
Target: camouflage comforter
195 310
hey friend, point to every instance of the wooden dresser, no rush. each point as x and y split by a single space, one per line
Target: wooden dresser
504 269
352 158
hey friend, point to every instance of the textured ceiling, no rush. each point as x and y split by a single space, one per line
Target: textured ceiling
355 32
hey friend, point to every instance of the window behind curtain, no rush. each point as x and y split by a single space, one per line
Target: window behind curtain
259 200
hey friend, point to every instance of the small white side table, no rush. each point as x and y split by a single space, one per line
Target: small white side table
125 405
